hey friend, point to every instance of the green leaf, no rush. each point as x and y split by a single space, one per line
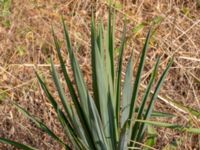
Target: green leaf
82 138
127 91
79 109
40 124
111 44
101 91
173 126
100 40
85 98
161 114
138 77
160 124
70 132
64 70
110 78
16 144
123 141
80 83
94 48
119 75
48 94
153 98
96 126
61 92
157 90
61 116
135 130
103 99
51 99
158 114
112 124
109 63
66 105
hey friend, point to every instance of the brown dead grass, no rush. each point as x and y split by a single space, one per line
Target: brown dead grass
27 44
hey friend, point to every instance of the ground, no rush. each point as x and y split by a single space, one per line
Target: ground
26 45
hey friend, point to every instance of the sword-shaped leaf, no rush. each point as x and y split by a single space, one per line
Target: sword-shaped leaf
119 76
85 98
127 91
124 135
138 76
144 100
111 44
94 48
61 92
96 126
74 97
41 125
153 98
100 83
16 144
172 126
61 116
80 83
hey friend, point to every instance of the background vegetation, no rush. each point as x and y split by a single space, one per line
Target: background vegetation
26 43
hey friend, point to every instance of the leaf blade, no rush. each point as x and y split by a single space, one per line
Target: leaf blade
127 91
154 96
16 144
119 76
40 124
144 100
138 76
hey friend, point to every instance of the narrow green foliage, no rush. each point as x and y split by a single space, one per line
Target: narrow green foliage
78 107
80 83
162 114
111 44
100 39
152 101
96 126
119 75
64 70
40 124
127 92
138 77
61 92
108 118
144 100
172 126
123 141
157 90
16 144
106 108
82 89
93 62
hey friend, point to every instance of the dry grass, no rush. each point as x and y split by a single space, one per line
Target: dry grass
26 43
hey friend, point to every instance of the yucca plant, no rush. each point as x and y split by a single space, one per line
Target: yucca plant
109 118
